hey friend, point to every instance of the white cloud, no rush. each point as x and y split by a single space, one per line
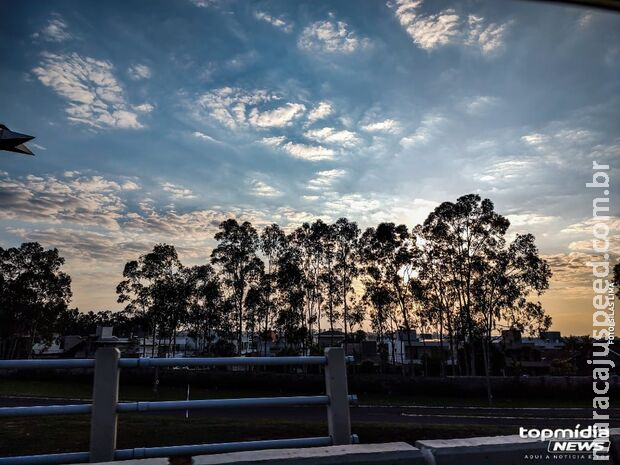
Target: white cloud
130 186
280 23
534 139
585 20
203 136
139 71
426 131
322 110
530 219
55 30
330 37
388 126
490 38
228 105
95 96
427 31
204 3
303 151
177 192
325 179
333 136
506 170
262 189
478 104
85 200
144 108
431 31
274 141
278 117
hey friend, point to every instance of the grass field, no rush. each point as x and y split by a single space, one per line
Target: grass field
32 435
70 433
75 390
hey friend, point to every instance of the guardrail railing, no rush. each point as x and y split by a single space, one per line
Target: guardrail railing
105 406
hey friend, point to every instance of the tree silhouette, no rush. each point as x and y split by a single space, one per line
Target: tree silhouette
34 293
455 274
236 256
155 287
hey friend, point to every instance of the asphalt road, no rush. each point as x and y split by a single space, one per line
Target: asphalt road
427 415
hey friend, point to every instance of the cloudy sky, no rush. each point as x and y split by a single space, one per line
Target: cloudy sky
156 120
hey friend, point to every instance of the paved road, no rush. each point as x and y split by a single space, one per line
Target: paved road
427 415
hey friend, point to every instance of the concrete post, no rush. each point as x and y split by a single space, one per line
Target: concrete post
105 399
338 417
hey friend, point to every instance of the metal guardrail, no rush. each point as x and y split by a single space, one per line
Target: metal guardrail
105 406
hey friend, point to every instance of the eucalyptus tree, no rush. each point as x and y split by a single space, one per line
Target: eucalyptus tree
346 235
503 291
134 293
272 244
291 293
438 303
317 248
34 294
467 258
465 236
328 277
205 305
382 303
236 255
389 255
155 286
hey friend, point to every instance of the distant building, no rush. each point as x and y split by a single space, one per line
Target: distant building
533 356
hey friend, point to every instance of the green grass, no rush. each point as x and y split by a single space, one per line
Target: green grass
28 435
83 390
75 390
24 436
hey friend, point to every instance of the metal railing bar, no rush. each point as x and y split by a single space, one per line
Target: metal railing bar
142 406
47 459
125 454
63 363
220 403
39 410
125 407
219 361
218 448
168 362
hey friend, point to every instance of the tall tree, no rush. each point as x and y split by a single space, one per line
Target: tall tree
346 235
328 278
388 254
290 279
487 279
464 235
34 294
155 286
236 255
273 242
205 305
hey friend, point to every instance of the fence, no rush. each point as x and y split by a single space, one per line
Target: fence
105 406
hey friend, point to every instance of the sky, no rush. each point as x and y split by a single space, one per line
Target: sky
156 120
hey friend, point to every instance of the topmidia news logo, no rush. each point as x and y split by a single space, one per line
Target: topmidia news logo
590 440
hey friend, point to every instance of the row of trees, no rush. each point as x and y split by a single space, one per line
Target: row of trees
455 274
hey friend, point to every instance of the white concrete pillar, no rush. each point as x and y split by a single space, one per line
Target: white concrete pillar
338 415
105 398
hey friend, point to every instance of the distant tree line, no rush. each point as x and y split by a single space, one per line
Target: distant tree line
456 275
